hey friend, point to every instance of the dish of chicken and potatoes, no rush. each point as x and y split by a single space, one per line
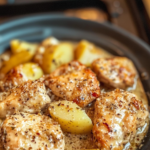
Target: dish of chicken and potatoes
60 95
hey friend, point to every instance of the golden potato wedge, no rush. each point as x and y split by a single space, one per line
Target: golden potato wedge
41 49
50 41
71 117
4 57
86 52
31 70
56 55
15 60
18 46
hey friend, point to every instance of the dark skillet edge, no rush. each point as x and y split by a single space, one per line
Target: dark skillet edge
58 15
112 30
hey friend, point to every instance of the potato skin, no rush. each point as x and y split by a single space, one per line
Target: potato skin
56 55
71 117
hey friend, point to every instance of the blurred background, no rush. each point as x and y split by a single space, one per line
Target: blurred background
130 15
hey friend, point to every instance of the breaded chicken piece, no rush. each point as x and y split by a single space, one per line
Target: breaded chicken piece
13 78
24 131
74 82
117 72
28 97
118 115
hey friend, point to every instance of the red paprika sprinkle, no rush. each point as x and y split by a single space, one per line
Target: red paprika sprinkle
76 101
107 126
95 95
38 133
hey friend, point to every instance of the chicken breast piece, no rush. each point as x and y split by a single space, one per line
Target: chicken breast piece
117 72
13 78
24 131
118 115
28 97
74 82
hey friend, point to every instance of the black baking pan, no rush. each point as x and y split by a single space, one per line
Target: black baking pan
107 36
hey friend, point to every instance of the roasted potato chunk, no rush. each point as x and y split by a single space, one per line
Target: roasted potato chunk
86 53
32 71
15 60
19 46
20 74
50 41
38 58
56 55
71 117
